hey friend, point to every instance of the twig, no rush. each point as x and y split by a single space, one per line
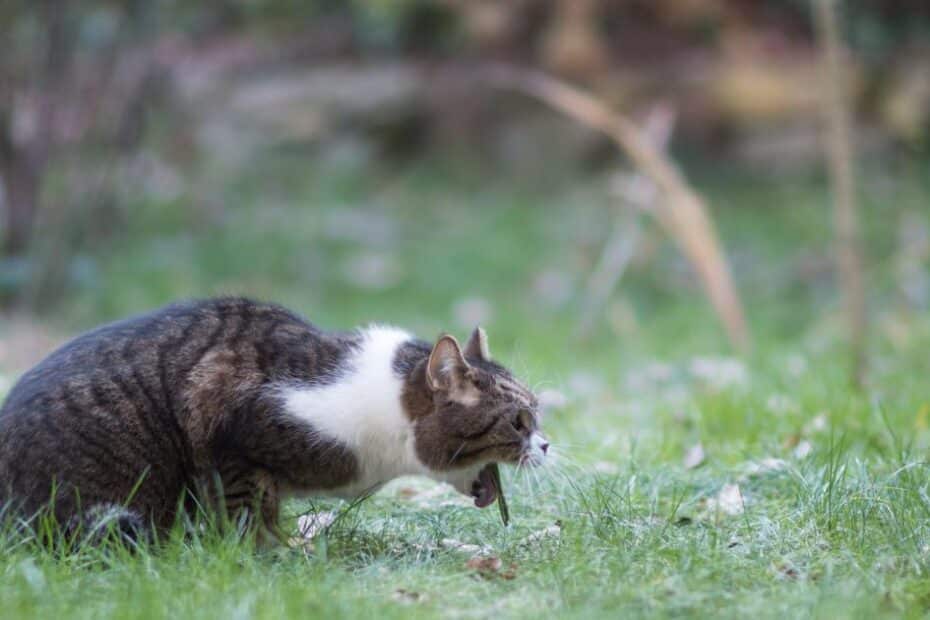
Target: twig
636 193
839 153
615 258
680 211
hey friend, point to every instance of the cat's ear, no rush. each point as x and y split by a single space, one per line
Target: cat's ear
477 345
447 371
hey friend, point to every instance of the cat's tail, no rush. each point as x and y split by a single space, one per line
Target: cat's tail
107 521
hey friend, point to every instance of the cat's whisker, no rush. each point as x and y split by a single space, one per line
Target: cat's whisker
556 454
541 385
456 454
561 463
574 446
536 479
571 469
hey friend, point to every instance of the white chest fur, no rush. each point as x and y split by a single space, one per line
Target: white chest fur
363 411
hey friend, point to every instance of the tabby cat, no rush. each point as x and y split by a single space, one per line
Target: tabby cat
237 404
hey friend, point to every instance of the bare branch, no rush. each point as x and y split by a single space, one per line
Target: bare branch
635 193
680 211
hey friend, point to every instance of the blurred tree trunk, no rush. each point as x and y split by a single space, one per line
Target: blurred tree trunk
839 152
21 185
573 45
24 151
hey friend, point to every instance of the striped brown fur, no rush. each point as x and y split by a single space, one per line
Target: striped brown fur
157 412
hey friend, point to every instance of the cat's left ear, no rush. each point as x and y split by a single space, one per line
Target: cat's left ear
449 373
477 345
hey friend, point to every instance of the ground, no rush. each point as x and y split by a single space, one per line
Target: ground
686 480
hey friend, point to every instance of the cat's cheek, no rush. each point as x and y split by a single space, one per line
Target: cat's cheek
538 449
462 479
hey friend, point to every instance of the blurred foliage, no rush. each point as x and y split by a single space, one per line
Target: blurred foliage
753 101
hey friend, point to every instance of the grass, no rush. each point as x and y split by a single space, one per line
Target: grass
832 515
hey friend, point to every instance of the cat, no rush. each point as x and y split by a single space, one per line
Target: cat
236 404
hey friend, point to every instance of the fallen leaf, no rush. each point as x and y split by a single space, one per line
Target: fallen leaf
728 501
311 524
786 571
407 492
553 531
803 449
694 456
764 466
457 545
301 543
407 596
484 564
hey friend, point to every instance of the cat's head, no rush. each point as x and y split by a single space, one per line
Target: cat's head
472 412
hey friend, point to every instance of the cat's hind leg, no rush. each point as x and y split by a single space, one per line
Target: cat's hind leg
251 498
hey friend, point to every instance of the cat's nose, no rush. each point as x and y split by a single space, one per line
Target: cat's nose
544 446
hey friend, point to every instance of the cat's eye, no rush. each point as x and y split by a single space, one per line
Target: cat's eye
523 421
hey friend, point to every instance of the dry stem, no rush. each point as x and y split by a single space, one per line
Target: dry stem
680 211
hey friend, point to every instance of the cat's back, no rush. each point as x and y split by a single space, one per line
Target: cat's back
155 346
91 354
108 407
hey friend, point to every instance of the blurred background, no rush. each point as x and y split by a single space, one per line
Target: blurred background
350 159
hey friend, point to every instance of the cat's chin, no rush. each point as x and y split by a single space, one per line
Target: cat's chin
484 488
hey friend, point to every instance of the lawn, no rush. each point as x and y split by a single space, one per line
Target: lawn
685 481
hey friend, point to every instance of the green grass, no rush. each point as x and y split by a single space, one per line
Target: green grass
839 532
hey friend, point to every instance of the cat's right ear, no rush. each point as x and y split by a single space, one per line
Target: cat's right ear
477 345
447 371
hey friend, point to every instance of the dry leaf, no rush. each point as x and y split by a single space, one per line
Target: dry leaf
803 449
407 596
484 564
311 524
786 571
553 531
407 492
694 456
490 566
457 545
511 572
728 501
766 465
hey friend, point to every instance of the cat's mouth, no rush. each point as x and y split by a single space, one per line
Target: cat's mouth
484 488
